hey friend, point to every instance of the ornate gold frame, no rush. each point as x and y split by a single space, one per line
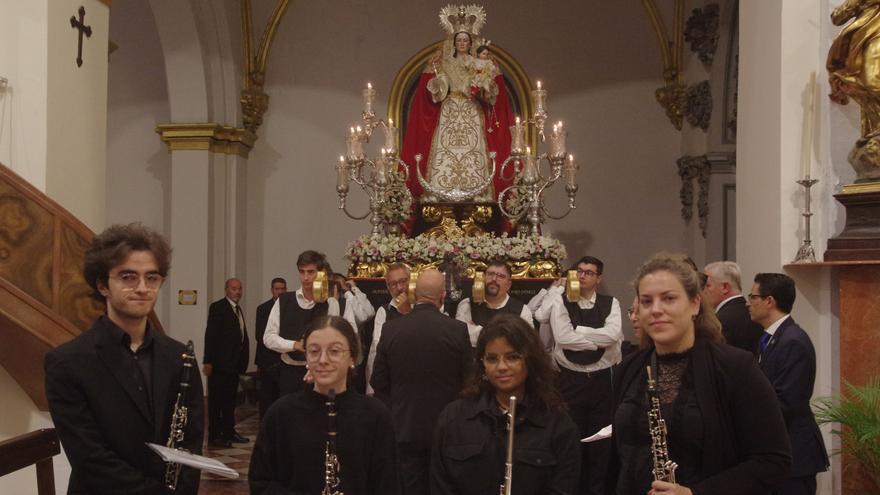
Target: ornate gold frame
415 65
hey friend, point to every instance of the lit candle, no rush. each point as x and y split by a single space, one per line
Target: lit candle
517 137
557 141
358 142
391 137
570 171
529 172
341 176
538 97
381 166
369 97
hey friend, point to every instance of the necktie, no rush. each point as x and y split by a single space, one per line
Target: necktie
765 339
240 320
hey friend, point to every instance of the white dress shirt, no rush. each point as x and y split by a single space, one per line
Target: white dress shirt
381 317
541 313
582 338
357 306
463 313
273 340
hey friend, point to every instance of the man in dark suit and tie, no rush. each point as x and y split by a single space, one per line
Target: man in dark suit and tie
787 357
422 362
226 357
723 291
268 361
113 388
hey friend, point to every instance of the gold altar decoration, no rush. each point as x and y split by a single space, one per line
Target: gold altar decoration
254 101
208 136
475 215
547 269
673 96
854 73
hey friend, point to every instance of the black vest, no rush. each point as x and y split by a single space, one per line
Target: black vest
293 320
481 313
391 312
594 318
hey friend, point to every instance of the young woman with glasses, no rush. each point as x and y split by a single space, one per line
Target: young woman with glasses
289 454
470 443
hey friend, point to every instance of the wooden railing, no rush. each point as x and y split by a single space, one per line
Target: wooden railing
44 299
37 447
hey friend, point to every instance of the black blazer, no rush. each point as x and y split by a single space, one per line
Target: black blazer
738 327
265 357
103 421
789 361
422 362
745 448
225 349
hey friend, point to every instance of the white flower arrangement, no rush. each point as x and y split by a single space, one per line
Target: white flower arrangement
372 248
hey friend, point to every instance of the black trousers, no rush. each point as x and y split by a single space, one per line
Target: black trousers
269 390
222 386
591 407
413 464
290 379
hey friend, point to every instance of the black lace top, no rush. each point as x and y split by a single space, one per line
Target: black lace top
678 407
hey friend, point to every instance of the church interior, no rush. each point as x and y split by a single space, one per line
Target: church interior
220 123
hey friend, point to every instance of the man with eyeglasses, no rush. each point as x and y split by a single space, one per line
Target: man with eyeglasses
397 281
723 291
112 389
227 351
498 280
422 362
586 339
788 359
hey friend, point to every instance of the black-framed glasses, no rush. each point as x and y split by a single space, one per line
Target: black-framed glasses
334 354
498 275
752 297
586 273
131 280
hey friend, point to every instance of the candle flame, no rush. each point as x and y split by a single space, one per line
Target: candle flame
391 122
539 84
517 119
369 86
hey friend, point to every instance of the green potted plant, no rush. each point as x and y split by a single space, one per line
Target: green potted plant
857 411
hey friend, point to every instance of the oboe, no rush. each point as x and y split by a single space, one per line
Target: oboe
331 461
179 418
664 467
507 484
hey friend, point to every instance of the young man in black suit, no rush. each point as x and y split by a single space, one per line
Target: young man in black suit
787 358
113 388
723 292
422 362
226 357
268 361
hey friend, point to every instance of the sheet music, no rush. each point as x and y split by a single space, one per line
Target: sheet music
599 435
194 461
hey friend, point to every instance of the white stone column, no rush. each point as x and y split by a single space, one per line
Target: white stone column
780 45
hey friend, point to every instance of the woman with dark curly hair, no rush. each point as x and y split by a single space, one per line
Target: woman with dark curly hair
470 442
724 428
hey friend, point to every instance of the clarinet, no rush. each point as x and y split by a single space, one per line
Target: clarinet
507 484
179 418
664 467
331 461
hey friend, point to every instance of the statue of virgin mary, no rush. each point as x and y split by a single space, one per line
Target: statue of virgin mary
460 114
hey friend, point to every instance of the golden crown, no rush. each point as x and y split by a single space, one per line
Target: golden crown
462 18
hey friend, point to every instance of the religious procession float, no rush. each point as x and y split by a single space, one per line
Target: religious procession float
478 157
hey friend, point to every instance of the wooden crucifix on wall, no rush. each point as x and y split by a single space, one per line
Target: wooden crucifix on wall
83 29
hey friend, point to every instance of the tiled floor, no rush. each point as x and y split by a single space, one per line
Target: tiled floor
238 457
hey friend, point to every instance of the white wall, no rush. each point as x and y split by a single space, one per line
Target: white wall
23 42
76 122
20 416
